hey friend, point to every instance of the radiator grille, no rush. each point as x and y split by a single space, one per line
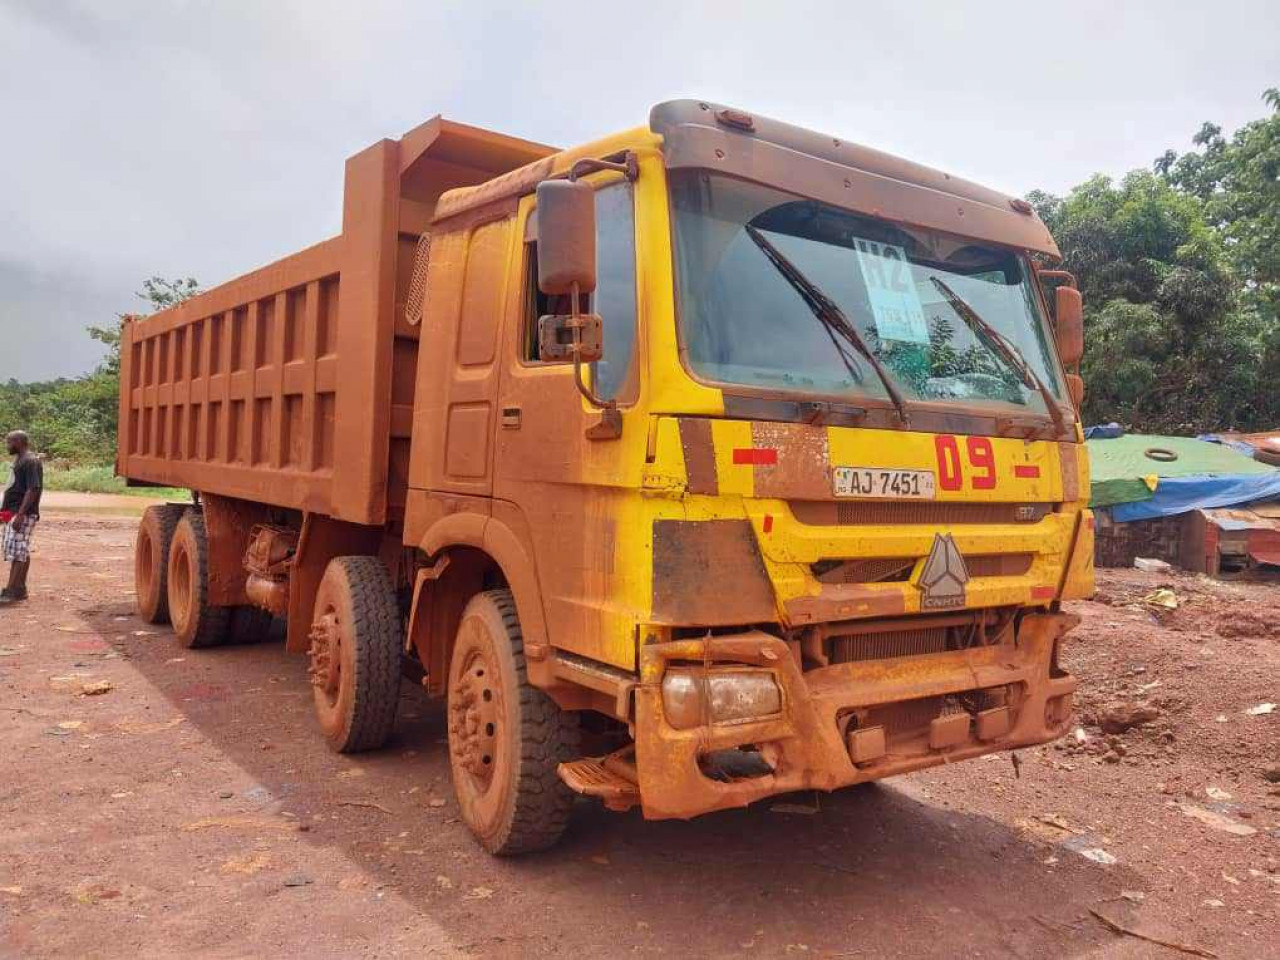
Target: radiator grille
998 564
849 513
905 719
898 569
864 570
883 646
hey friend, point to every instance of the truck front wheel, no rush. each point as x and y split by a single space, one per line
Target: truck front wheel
506 737
151 560
196 622
355 654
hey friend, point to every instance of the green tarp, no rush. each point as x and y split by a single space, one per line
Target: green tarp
1117 468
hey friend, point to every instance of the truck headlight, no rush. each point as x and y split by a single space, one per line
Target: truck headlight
693 696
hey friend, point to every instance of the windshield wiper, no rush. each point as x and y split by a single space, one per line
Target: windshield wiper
1001 346
833 321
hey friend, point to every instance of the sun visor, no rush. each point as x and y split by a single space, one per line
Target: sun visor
713 137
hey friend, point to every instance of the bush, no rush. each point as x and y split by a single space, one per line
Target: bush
73 478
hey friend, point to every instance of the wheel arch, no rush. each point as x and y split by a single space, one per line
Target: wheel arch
322 538
469 553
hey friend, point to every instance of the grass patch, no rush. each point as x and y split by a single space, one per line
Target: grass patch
92 479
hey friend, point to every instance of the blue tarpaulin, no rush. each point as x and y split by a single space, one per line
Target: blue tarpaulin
1237 445
1174 495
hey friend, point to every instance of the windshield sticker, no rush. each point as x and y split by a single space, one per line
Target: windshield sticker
895 304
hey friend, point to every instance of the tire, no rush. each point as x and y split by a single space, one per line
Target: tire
151 560
356 645
196 623
249 624
506 737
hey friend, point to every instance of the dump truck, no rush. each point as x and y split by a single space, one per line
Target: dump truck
709 461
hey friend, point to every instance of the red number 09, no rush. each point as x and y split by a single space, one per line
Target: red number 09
982 458
950 475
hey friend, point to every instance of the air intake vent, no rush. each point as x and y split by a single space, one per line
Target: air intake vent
417 296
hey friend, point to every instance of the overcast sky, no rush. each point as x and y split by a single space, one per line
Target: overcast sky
142 137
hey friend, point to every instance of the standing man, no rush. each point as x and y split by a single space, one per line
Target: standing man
21 507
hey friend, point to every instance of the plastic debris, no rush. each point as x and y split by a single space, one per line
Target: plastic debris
1218 821
1216 793
1164 597
1088 848
1261 709
1152 565
1097 855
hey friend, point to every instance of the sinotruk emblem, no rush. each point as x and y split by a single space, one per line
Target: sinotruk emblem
944 575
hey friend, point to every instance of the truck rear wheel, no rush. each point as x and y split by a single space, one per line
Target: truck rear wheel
151 560
506 737
355 654
249 624
195 621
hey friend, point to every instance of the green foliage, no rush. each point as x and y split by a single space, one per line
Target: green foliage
1180 270
160 294
92 479
74 421
1239 182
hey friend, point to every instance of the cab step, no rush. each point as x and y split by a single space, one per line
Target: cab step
609 778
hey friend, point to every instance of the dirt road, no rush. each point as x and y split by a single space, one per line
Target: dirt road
190 809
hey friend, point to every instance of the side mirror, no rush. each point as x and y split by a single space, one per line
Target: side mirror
1075 387
1069 326
566 238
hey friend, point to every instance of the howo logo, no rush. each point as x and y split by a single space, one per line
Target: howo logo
944 575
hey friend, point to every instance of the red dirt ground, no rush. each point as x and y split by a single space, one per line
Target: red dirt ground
192 810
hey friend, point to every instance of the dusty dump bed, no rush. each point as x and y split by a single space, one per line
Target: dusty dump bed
293 385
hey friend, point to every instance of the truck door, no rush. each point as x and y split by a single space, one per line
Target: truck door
564 487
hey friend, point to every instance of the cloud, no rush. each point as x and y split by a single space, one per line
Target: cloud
208 138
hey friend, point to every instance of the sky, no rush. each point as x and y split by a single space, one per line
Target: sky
207 137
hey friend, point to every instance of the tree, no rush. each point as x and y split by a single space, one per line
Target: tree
76 420
1168 346
160 294
1239 182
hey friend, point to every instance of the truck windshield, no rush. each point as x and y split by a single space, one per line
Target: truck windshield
744 323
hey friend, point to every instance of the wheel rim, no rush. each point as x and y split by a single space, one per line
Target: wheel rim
476 721
325 670
180 581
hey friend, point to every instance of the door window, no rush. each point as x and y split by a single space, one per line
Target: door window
614 299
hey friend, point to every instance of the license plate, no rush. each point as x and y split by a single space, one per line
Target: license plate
873 482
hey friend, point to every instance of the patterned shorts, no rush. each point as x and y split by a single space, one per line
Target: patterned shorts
17 540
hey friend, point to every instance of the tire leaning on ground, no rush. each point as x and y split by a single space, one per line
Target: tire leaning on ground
151 560
195 621
355 654
506 737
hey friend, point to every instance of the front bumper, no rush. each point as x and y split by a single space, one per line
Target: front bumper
808 744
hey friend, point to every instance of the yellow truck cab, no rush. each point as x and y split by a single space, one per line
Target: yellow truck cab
705 462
